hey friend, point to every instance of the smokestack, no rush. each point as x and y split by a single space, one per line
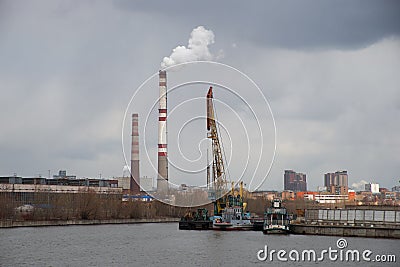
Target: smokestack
162 179
135 178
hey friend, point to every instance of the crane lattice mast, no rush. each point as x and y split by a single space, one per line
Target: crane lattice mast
219 181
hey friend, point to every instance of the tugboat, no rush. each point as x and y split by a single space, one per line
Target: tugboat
232 219
233 216
276 219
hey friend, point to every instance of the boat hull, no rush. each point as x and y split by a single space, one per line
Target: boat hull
232 227
232 219
195 225
276 231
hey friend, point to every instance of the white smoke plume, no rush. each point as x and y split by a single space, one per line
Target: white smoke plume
359 185
126 171
197 49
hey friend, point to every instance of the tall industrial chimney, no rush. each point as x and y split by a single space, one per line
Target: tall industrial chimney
162 179
135 178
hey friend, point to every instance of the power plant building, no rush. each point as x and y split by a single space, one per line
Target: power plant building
146 184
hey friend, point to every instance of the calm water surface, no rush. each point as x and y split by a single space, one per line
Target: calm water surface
164 245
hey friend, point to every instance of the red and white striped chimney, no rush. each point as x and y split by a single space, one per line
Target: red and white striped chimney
135 178
162 179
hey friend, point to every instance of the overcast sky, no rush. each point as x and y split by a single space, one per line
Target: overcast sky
329 69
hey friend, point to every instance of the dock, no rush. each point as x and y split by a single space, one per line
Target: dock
376 222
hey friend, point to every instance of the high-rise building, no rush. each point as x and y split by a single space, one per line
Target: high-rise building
337 182
329 179
294 181
288 178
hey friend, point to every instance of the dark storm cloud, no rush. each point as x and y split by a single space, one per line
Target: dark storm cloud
291 24
329 68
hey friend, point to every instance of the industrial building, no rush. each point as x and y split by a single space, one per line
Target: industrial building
147 184
62 181
40 191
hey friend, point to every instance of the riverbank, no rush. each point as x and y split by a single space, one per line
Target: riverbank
12 224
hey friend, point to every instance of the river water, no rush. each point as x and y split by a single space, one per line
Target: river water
162 244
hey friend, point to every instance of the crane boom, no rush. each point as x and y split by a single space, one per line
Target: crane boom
219 188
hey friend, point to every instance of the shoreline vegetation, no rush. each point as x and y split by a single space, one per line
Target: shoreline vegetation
41 208
37 208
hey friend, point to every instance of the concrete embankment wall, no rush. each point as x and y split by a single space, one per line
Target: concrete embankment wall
10 223
341 230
